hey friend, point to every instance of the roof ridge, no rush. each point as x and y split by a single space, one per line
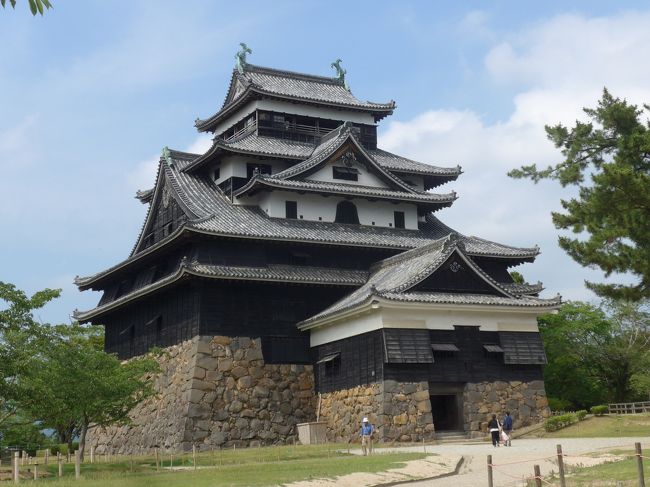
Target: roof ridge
292 74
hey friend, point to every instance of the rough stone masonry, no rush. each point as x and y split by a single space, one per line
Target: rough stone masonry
216 392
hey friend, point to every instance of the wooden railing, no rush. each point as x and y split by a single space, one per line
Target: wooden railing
629 407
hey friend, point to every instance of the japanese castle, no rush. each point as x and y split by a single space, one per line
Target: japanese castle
296 272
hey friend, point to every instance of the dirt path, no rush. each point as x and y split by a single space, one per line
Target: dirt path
541 451
428 467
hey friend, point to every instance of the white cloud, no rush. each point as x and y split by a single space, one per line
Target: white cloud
561 66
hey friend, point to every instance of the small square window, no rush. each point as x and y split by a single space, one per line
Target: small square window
291 208
345 173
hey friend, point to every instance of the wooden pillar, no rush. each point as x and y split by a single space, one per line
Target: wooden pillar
16 467
59 459
77 465
47 457
489 468
560 464
639 464
92 454
538 476
35 470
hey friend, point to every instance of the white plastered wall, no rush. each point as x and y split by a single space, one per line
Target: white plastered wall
441 318
315 207
365 177
235 166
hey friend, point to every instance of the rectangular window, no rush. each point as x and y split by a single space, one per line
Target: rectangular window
345 173
291 209
262 168
399 219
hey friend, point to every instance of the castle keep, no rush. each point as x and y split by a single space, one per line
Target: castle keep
296 270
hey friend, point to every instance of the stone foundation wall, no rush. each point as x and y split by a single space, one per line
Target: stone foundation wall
399 411
214 392
526 402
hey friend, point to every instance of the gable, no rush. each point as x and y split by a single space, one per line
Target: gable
455 275
165 217
349 157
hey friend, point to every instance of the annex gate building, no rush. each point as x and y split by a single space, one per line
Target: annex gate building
296 270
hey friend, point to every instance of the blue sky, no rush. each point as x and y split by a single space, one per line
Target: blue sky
91 92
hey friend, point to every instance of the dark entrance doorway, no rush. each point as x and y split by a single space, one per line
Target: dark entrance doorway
447 406
444 409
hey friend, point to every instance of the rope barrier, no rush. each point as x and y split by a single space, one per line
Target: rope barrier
526 461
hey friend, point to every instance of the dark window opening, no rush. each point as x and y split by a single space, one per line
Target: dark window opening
346 212
170 228
261 168
217 174
345 173
399 219
123 288
158 330
291 208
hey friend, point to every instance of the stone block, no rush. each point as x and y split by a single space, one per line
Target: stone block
391 386
208 362
424 406
222 340
245 382
421 396
224 364
203 347
239 371
203 385
235 406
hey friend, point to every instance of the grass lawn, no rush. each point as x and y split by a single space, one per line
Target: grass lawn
604 427
609 473
245 467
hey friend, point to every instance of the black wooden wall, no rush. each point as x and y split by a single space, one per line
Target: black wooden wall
361 355
163 319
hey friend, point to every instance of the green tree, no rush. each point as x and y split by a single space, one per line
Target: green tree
608 160
76 386
20 337
597 354
36 6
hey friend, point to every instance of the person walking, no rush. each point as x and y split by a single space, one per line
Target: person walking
507 428
367 430
493 428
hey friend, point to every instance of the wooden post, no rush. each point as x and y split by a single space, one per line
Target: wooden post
35 470
538 476
194 456
77 465
489 466
639 464
92 454
47 457
16 467
560 464
59 460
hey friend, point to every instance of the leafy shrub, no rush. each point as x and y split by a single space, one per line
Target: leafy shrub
599 410
555 423
581 414
556 404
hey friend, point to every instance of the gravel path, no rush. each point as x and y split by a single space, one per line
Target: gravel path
473 473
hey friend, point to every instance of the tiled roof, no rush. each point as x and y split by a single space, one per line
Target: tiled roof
278 273
392 278
476 299
292 86
307 185
396 163
525 288
210 211
328 146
